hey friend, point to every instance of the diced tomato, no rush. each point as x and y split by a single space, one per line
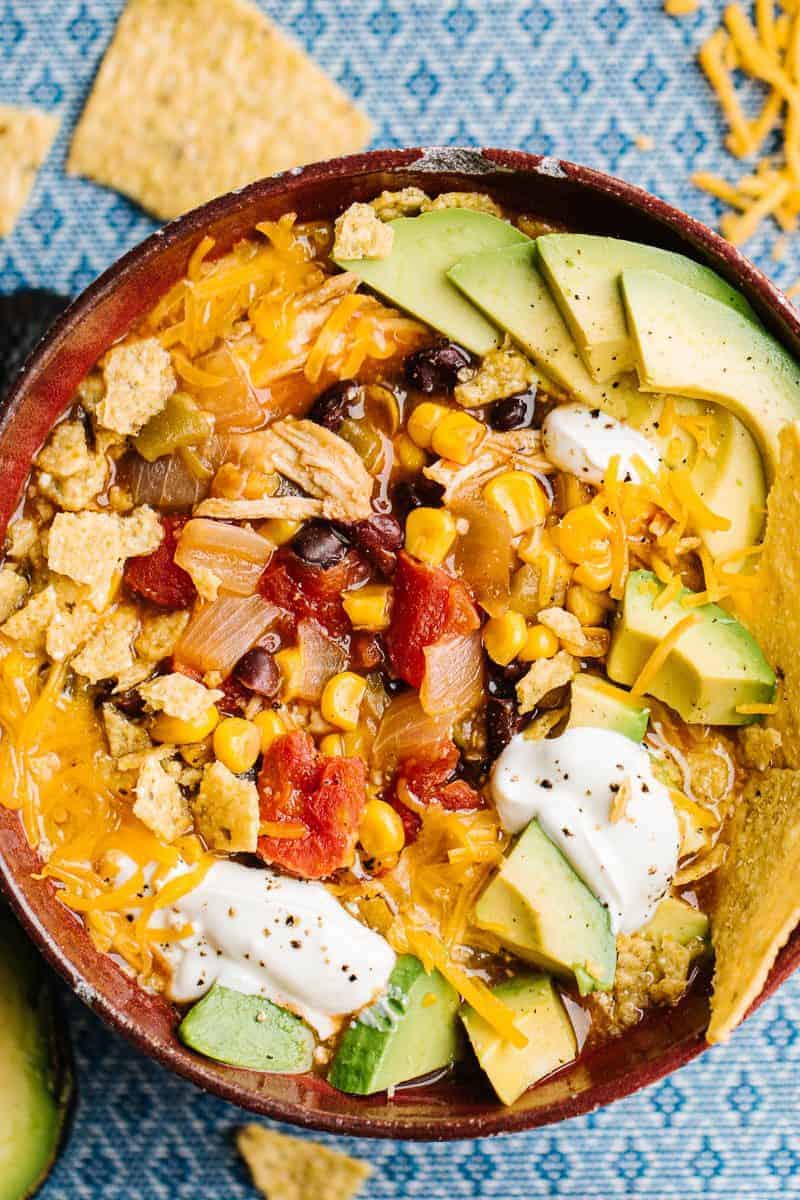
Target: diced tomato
429 779
428 605
300 787
304 590
235 697
157 577
412 822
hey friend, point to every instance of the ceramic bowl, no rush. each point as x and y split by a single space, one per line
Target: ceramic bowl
585 200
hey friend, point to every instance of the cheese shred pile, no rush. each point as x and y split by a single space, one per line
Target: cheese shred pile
765 47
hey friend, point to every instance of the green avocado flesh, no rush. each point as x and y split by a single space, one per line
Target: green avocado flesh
414 274
583 273
248 1031
35 1085
542 1018
600 705
730 481
410 1031
544 913
507 285
692 345
715 667
676 919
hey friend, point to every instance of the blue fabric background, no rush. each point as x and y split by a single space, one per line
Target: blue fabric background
576 78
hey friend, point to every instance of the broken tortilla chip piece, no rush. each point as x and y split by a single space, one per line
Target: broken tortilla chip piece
756 907
289 1168
196 97
26 135
775 620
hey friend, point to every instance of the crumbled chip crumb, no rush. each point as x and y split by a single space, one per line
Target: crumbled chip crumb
760 747
22 538
139 380
290 1168
649 973
91 547
28 625
477 201
360 233
160 803
179 696
543 677
406 202
226 811
502 372
13 588
160 634
109 652
566 626
123 736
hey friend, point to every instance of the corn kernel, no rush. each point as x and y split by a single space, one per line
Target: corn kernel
270 725
260 484
594 576
457 437
341 699
290 664
172 729
279 530
540 642
520 497
423 421
357 743
430 532
583 534
504 637
368 607
228 482
237 744
332 745
409 455
381 832
584 604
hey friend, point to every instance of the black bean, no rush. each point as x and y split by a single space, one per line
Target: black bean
257 671
473 771
378 538
129 703
503 720
515 412
502 681
332 406
416 493
394 687
436 368
320 544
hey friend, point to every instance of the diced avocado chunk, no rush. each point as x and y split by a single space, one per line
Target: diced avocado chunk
583 273
544 913
247 1031
414 276
409 1031
730 479
692 345
542 1018
715 667
37 1081
676 919
601 705
507 285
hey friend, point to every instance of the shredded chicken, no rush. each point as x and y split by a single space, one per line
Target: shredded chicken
520 449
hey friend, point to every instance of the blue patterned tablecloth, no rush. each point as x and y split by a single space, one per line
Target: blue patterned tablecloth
582 79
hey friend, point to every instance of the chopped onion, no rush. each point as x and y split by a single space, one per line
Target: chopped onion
166 484
320 659
220 633
232 402
237 556
407 729
484 554
453 679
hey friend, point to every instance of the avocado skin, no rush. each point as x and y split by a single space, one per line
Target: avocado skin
37 1101
544 913
600 705
399 1038
248 1031
715 667
541 1016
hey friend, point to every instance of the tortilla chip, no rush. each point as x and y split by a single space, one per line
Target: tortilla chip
288 1168
775 620
196 97
756 906
26 135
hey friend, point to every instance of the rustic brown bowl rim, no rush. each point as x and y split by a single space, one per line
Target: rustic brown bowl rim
778 314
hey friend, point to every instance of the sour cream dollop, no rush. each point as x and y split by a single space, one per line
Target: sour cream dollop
583 441
287 939
569 784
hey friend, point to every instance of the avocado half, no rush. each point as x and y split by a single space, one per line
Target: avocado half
36 1077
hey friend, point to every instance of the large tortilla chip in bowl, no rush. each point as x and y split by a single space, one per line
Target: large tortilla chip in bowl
757 902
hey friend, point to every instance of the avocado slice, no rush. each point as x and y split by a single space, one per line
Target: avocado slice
731 480
692 345
507 285
36 1068
676 919
544 913
716 665
247 1031
583 272
414 276
408 1032
601 705
543 1019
